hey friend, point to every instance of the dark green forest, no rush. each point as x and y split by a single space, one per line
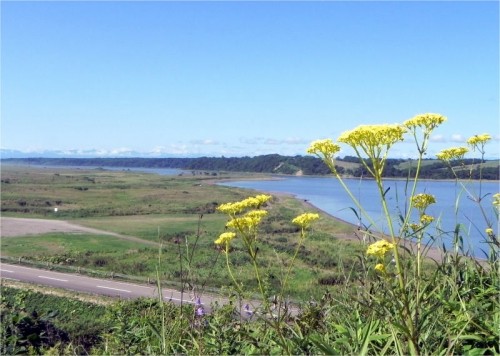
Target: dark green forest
278 164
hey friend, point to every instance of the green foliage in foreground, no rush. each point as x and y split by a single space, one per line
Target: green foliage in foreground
462 317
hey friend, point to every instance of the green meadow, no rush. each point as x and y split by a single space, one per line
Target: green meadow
177 212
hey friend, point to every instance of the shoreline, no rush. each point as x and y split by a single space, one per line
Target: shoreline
266 175
431 252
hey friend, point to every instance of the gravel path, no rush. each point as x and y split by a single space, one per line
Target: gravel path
11 227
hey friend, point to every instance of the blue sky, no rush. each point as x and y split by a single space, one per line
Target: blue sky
242 78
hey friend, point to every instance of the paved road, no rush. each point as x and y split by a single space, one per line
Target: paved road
112 288
101 286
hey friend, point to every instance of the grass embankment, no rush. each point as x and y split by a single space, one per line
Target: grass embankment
176 211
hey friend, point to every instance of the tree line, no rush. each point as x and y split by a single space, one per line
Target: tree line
278 164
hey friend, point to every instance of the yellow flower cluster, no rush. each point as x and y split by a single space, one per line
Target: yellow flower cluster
426 219
478 139
452 153
422 201
496 199
304 220
225 238
371 136
415 227
379 267
248 203
247 222
324 147
426 121
379 248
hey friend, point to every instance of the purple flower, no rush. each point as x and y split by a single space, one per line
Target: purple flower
247 310
200 311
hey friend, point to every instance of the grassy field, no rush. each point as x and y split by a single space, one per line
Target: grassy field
176 211
406 165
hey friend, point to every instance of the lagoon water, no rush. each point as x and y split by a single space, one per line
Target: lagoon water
454 203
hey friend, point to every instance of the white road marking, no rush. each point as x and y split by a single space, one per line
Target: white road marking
134 285
31 269
6 270
120 290
54 279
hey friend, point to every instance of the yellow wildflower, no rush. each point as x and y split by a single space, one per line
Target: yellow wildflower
262 198
370 136
422 201
324 147
415 227
230 208
452 153
379 248
254 217
426 121
478 139
379 267
243 223
247 222
374 141
304 220
256 213
225 238
496 199
426 219
248 203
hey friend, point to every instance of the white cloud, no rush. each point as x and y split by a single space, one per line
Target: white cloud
438 138
274 141
252 141
175 149
458 138
206 142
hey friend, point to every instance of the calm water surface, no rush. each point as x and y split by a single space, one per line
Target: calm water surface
453 203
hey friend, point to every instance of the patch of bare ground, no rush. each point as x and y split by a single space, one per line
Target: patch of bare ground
11 227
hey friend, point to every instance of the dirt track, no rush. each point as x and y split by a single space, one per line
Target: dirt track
11 227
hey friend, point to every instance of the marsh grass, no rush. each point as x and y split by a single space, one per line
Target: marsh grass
96 193
171 221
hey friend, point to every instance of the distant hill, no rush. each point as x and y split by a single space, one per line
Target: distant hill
278 164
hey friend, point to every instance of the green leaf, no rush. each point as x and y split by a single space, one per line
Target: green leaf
320 344
477 351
